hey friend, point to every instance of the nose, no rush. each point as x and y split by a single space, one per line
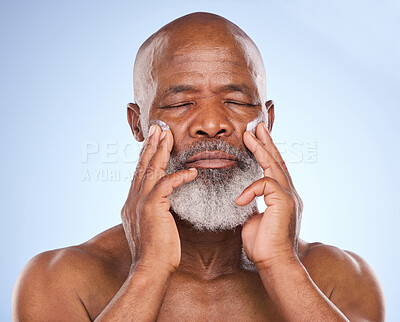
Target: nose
210 121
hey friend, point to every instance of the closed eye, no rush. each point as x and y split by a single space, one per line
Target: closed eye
186 104
177 105
240 103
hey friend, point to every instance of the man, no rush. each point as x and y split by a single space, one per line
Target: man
192 245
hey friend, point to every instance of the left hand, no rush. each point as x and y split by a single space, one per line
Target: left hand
272 237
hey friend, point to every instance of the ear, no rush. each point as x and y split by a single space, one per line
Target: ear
133 113
271 114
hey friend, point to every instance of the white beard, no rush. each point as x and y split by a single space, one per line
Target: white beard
208 202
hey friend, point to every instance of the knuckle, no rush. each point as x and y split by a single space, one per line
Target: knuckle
153 172
140 168
151 147
265 165
257 148
166 182
177 176
163 181
163 163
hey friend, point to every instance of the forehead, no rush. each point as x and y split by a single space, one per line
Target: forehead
212 62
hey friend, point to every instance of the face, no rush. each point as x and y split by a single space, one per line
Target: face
205 91
207 94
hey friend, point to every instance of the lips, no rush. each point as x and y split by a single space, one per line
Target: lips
211 160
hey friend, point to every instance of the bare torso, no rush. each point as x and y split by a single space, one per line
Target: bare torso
102 265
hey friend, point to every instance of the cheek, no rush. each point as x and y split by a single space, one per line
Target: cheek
252 125
164 126
246 122
179 131
178 128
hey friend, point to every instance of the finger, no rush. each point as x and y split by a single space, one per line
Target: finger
265 138
263 187
146 154
168 183
158 164
266 160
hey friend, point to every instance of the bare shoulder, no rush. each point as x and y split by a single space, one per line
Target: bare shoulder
55 283
346 279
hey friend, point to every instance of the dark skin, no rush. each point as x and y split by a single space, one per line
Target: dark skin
173 273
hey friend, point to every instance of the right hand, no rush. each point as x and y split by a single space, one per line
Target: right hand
150 228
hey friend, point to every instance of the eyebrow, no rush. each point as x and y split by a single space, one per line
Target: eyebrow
175 89
242 88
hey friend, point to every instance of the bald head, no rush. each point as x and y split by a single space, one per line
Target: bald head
197 32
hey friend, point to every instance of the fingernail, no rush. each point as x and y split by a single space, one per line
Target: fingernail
252 134
163 133
192 169
266 127
152 129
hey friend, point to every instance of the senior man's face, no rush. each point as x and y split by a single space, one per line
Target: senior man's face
204 91
207 93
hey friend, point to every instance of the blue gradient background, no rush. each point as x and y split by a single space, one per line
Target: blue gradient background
66 77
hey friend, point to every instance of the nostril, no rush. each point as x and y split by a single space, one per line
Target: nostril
201 132
221 131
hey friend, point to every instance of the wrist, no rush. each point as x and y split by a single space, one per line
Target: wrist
143 279
289 272
283 268
152 268
278 262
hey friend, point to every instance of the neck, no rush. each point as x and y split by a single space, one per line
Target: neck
209 255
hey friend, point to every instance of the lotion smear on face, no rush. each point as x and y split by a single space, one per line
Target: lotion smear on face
164 126
251 126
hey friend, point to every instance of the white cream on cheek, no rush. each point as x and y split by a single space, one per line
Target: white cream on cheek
164 126
252 125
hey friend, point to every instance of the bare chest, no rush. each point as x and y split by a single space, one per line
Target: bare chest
239 299
237 309
236 300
